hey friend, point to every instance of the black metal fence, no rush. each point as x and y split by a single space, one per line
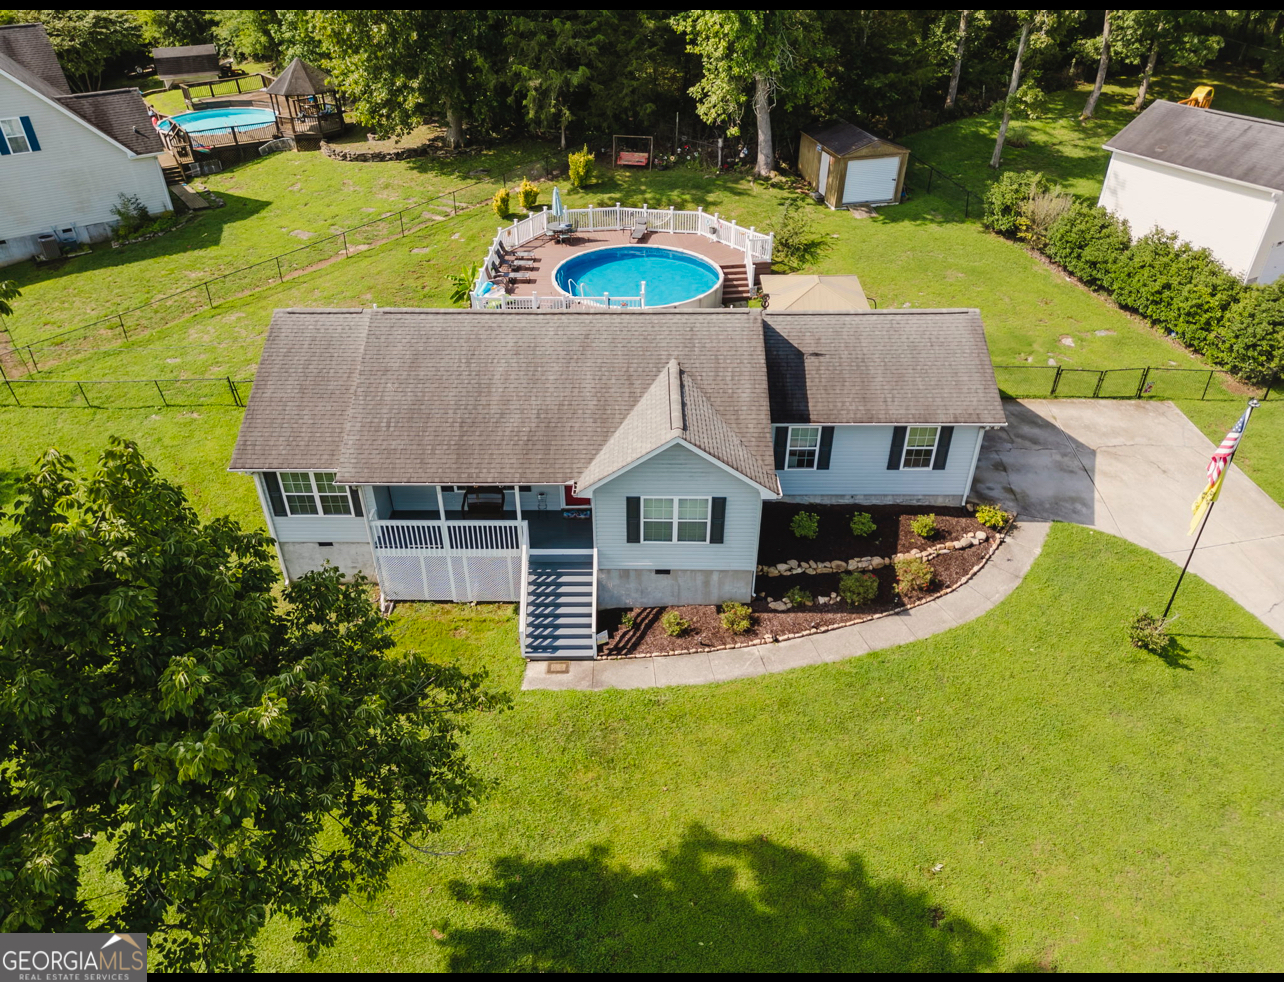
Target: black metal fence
40 353
920 176
42 393
1059 382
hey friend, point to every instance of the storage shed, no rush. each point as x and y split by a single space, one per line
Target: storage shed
191 63
850 166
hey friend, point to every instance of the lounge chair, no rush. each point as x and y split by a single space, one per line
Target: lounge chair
517 253
639 230
506 277
515 260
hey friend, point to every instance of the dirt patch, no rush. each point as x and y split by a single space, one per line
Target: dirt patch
835 541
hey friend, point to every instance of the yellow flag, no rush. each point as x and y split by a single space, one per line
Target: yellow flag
1205 501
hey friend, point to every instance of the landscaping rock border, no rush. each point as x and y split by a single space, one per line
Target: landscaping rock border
361 156
995 539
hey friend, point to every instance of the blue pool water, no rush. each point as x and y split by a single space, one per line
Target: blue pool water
222 120
619 271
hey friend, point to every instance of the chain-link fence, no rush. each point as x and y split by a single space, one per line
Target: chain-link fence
1059 382
922 177
106 332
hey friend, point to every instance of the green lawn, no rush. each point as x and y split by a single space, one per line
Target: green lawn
1090 808
1070 151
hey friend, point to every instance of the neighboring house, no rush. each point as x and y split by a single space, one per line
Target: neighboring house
573 460
190 63
1214 178
850 166
66 158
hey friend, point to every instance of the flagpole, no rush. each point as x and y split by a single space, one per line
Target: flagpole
1252 404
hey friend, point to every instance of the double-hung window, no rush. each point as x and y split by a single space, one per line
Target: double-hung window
920 446
314 493
675 519
804 444
15 136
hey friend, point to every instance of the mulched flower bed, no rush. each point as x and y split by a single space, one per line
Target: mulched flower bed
778 544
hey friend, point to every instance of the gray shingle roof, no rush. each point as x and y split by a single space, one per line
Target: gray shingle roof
674 407
841 137
300 78
121 114
1241 148
880 366
28 45
299 403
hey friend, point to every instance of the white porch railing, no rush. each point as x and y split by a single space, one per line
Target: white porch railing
452 560
756 246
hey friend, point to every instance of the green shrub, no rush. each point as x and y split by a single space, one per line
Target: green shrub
1039 213
501 202
579 168
1089 242
924 526
626 622
674 624
863 524
992 516
805 525
858 588
912 573
736 618
796 242
1149 633
1006 198
131 216
528 194
799 597
461 285
1251 341
1018 136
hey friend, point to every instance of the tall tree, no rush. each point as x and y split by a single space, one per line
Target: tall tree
965 16
774 52
1027 26
8 291
230 757
555 56
1040 29
86 41
400 65
1102 66
176 27
1184 37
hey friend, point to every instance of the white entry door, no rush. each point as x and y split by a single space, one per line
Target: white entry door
823 181
871 180
1273 268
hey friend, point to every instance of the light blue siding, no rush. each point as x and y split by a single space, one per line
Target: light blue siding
677 471
321 528
858 466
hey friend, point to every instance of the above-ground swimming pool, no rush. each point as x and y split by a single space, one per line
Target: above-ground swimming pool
673 277
221 120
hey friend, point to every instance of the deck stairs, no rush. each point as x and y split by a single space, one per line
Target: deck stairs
735 281
559 609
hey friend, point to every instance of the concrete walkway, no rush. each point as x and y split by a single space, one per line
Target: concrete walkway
1133 469
995 581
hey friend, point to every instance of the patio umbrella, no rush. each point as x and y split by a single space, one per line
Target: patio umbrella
557 203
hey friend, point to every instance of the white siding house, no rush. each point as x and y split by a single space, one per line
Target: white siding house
1215 179
66 158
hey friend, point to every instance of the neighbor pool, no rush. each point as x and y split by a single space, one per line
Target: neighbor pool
673 277
221 120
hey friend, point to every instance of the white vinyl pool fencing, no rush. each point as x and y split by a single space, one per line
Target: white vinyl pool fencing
487 295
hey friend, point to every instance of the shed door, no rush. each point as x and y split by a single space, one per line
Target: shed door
822 183
1273 269
872 179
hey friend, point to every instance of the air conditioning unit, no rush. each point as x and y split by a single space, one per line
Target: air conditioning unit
67 234
48 243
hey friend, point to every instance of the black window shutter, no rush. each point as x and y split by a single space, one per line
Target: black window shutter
718 520
943 448
31 133
826 448
782 444
632 519
275 498
355 495
898 447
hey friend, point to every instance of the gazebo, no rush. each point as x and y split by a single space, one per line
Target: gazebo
305 103
811 292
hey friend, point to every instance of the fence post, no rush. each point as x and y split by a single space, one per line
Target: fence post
16 401
122 326
344 235
280 277
967 203
401 217
930 171
207 293
1101 377
84 394
32 355
1204 395
1056 380
160 392
454 205
1141 382
236 398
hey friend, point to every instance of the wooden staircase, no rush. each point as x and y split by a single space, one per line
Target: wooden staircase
735 283
560 619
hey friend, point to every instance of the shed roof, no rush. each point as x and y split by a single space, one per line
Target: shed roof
1239 148
28 45
880 366
185 51
300 78
808 291
841 138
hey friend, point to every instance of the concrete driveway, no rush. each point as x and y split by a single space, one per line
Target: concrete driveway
1133 469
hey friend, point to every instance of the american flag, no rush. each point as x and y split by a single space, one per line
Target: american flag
1222 455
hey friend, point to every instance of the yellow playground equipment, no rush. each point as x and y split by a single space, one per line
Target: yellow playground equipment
1201 97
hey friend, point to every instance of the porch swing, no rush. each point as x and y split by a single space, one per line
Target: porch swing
632 151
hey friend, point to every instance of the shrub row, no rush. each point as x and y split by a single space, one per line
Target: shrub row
1180 289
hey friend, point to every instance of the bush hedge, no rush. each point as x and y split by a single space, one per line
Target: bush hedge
1183 291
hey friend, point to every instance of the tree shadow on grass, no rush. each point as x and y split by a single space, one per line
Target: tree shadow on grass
714 904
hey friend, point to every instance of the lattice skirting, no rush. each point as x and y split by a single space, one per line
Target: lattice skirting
426 575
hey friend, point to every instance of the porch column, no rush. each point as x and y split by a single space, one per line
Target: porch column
441 514
517 498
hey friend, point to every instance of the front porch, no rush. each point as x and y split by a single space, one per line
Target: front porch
543 529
